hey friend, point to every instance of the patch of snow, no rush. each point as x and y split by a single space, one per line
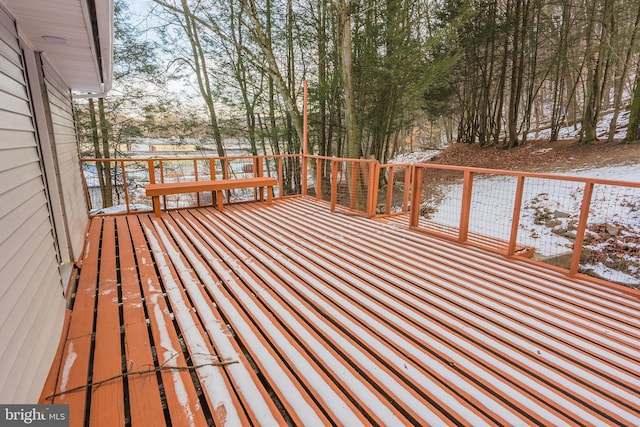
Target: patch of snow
68 364
630 173
602 270
119 209
602 129
415 157
543 150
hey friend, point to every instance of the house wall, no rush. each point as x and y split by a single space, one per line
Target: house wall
65 141
32 302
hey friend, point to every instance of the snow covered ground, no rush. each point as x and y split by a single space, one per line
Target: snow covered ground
415 157
602 129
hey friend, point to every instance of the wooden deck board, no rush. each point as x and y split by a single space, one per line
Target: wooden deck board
267 317
195 313
73 373
362 299
143 390
107 399
181 396
340 319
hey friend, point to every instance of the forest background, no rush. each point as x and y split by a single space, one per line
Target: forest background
385 76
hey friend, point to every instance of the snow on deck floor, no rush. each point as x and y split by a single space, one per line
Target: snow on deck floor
321 318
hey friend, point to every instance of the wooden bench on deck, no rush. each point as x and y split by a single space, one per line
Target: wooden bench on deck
219 185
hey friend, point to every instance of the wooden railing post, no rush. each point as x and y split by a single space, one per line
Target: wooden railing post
374 182
152 171
465 210
258 162
225 175
195 174
258 172
280 177
515 219
124 186
319 170
408 186
416 193
391 171
334 184
582 227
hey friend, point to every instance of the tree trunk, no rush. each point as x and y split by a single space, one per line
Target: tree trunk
633 130
354 145
272 68
558 115
517 64
104 134
97 152
622 77
202 74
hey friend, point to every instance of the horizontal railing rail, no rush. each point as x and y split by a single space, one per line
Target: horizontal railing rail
570 223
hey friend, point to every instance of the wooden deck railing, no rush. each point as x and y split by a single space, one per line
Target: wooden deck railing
347 184
128 177
569 223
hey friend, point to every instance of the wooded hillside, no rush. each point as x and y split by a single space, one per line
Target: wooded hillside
381 71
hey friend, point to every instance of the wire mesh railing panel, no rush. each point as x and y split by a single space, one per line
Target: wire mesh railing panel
350 184
203 168
243 167
137 175
394 189
548 220
312 176
611 246
114 185
440 201
340 180
291 175
323 179
177 171
273 167
491 211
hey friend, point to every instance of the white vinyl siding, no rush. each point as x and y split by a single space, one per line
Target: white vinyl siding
31 302
66 147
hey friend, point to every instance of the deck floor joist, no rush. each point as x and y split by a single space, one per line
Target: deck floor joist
296 315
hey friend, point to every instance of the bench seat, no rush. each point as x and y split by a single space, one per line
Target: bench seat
218 185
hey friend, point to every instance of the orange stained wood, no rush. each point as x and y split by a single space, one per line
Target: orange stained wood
72 375
145 402
180 391
260 311
156 190
342 320
204 347
108 398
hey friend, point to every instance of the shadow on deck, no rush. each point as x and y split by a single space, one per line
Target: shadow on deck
290 314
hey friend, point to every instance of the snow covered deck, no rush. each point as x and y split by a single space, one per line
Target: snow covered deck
296 315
